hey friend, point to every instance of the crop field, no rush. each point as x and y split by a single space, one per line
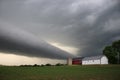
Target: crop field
101 72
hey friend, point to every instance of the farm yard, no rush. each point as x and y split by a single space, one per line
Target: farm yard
96 72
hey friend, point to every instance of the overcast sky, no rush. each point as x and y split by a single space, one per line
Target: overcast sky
57 29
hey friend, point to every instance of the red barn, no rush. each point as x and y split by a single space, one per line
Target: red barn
77 61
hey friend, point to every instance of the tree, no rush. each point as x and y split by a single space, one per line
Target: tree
42 65
59 64
35 65
112 52
48 64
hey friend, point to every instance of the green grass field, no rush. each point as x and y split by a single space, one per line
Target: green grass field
108 72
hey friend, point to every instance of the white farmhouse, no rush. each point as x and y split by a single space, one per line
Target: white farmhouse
95 60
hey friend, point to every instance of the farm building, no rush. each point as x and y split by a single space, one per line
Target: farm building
74 61
77 61
69 61
95 60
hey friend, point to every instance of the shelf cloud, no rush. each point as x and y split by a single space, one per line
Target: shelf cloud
85 25
16 41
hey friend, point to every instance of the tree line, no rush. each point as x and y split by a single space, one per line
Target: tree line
113 52
42 65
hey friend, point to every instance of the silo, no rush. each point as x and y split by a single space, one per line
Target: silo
69 61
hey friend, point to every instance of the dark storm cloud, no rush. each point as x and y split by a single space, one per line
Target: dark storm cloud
88 25
17 41
104 31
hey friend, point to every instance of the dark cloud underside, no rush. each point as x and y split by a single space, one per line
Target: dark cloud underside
22 43
88 25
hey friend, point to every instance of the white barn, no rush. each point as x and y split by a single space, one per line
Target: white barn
95 60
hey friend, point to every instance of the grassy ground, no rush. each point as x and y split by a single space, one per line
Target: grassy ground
108 72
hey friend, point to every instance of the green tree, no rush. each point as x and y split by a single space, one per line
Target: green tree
48 64
59 64
112 52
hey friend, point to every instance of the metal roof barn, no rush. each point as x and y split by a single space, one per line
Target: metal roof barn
95 60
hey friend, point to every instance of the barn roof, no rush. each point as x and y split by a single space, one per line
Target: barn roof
78 58
93 57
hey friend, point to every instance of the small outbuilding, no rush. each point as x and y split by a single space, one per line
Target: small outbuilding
77 61
94 60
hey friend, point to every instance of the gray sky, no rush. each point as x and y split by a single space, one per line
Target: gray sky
79 27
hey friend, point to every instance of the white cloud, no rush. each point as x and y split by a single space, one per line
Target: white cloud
69 49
